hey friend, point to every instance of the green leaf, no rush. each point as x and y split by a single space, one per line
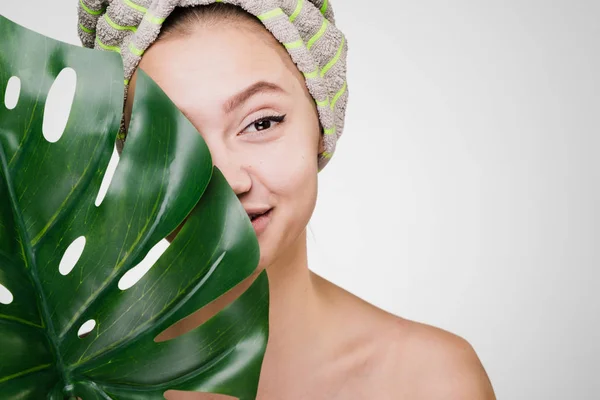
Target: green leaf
47 201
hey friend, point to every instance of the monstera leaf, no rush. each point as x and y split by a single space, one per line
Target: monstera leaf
49 202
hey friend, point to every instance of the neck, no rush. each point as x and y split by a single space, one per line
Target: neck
294 310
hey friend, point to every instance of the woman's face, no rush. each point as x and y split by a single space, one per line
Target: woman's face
249 102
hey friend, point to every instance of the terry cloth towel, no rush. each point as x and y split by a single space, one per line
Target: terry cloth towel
306 28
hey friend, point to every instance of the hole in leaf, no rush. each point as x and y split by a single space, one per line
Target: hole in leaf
108 176
71 256
136 273
6 297
58 105
13 91
86 328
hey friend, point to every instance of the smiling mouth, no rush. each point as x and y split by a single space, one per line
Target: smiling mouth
255 216
260 220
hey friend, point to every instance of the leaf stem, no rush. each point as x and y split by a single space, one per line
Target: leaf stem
29 259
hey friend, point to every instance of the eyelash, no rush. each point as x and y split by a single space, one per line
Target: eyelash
274 118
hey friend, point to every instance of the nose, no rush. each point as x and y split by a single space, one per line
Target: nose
234 171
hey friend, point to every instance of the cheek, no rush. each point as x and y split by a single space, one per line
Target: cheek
293 177
288 168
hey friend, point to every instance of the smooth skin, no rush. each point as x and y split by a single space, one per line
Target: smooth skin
324 342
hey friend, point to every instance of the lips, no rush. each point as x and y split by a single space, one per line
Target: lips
260 218
255 213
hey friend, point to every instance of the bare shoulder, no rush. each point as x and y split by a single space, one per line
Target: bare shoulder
425 362
405 359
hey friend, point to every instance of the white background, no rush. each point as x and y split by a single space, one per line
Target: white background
464 191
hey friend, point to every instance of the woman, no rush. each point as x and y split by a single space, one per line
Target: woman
267 132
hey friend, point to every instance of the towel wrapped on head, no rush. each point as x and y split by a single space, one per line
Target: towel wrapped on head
306 28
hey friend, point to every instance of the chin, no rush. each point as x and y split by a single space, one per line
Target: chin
262 265
271 246
266 254
279 248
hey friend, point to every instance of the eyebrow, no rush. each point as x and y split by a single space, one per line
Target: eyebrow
243 96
